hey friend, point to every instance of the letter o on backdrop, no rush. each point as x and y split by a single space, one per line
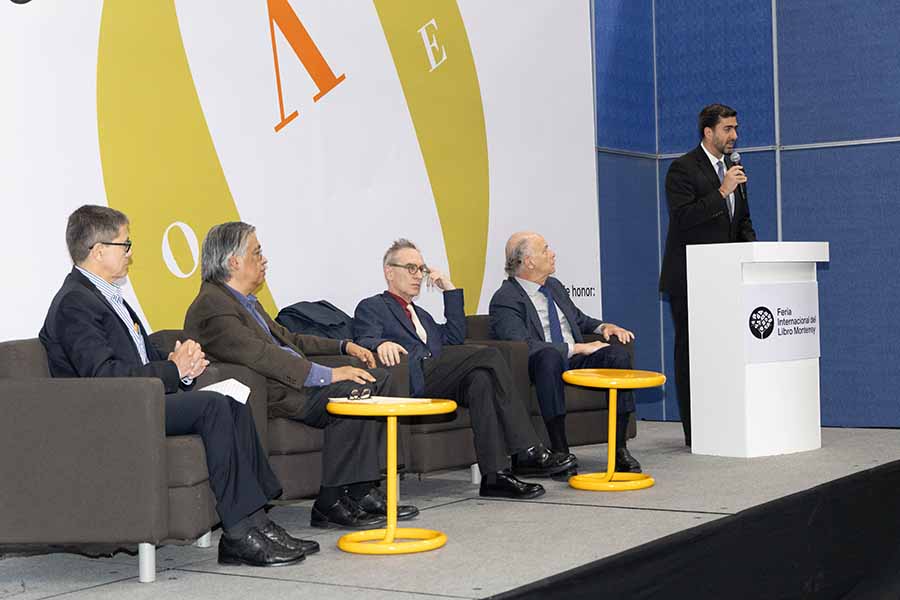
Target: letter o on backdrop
169 258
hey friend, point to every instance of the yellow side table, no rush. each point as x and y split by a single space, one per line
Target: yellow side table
384 541
613 380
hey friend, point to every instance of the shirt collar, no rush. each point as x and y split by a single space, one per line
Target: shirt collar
713 159
110 291
531 288
403 301
247 301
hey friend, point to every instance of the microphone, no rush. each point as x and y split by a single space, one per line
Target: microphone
736 160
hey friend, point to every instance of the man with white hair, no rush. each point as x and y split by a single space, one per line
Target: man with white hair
440 366
533 307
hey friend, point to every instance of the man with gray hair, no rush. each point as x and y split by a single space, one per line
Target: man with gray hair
90 331
227 318
533 307
440 366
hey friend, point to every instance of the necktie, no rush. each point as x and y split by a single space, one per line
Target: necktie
420 330
556 336
720 170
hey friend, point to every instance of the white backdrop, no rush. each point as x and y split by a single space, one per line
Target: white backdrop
330 191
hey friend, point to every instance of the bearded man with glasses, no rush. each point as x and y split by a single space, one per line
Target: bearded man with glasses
441 367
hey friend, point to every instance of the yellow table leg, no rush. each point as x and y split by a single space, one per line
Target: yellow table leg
610 481
382 541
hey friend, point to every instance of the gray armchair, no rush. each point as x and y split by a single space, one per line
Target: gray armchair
87 465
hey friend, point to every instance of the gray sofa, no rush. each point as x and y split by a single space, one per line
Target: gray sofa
87 467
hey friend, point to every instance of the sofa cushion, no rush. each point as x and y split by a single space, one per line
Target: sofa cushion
293 437
21 359
478 327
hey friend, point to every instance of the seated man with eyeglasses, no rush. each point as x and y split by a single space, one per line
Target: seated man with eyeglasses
90 331
233 327
441 367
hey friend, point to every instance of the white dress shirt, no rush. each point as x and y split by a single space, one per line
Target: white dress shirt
715 165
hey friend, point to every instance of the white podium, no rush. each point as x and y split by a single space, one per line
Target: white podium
753 319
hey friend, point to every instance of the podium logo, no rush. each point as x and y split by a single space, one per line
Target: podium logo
762 322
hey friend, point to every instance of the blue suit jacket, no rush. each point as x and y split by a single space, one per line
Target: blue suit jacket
84 337
513 316
380 319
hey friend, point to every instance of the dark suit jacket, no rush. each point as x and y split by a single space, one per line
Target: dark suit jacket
381 319
513 316
84 337
698 215
229 333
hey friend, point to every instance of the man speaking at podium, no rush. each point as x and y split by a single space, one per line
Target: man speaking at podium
707 196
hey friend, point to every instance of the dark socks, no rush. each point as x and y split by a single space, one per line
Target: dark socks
556 431
259 519
328 496
360 489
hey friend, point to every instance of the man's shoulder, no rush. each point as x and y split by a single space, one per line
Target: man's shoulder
688 159
210 301
507 288
375 302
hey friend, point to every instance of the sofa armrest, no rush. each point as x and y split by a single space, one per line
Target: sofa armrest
82 461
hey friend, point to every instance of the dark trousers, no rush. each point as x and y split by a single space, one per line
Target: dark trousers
352 444
546 366
682 361
239 472
478 378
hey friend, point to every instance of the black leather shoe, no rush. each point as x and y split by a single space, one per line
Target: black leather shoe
506 485
564 475
625 462
375 503
345 514
538 461
256 550
277 534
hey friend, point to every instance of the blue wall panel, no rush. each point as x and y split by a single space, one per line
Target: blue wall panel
705 56
760 168
839 76
670 395
847 196
629 249
623 33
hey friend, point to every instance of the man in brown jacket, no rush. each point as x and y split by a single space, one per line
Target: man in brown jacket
233 327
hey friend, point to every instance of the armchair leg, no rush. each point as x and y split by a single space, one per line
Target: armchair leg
204 541
147 563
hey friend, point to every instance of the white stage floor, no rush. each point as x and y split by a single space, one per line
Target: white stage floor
494 545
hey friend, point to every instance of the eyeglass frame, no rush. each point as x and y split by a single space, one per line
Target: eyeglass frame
127 244
356 394
413 269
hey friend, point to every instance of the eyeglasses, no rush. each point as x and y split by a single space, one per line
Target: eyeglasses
127 244
413 269
356 394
